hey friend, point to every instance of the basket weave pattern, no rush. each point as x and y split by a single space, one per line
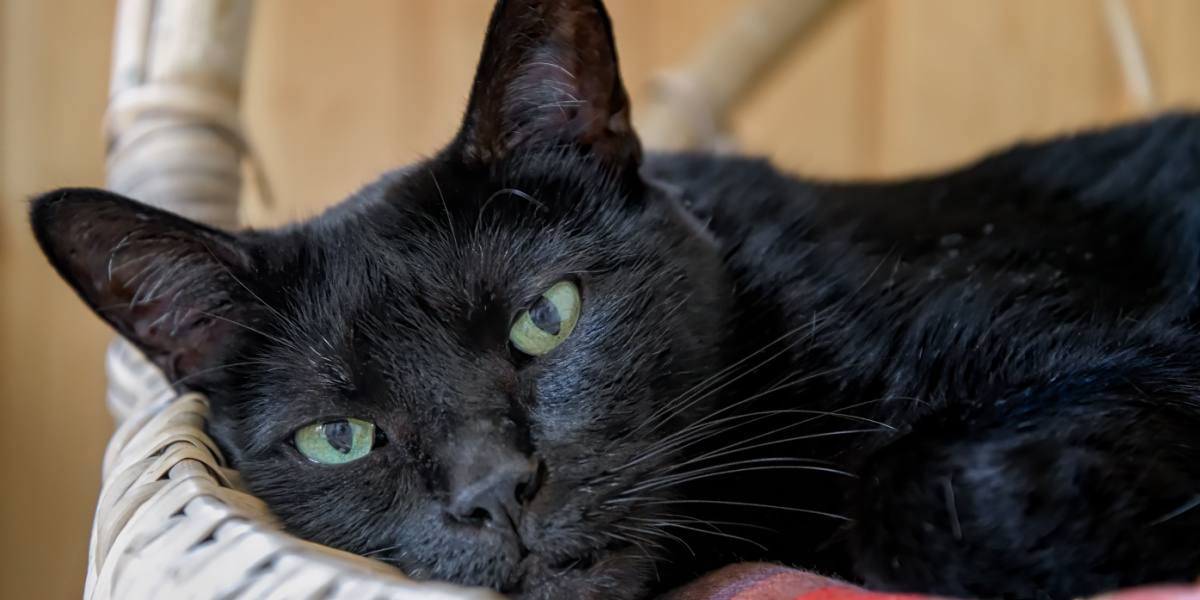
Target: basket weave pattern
174 522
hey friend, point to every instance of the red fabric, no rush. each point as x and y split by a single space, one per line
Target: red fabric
759 581
1162 592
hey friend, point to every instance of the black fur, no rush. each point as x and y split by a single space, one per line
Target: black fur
1024 323
978 383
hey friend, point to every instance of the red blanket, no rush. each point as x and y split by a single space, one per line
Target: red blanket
757 581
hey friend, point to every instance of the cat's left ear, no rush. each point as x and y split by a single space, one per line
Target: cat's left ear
548 77
175 288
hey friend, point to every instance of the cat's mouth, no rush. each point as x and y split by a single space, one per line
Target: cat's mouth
589 560
535 576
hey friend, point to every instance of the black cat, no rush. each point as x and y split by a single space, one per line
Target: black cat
541 363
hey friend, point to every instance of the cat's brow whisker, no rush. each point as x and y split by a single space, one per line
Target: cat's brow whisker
511 192
445 205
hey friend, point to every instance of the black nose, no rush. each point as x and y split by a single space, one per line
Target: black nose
491 488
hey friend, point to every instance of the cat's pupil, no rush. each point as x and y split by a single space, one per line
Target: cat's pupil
545 315
339 436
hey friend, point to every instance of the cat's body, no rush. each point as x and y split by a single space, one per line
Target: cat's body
1025 325
540 363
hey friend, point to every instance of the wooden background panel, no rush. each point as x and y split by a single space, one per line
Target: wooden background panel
338 92
53 425
881 88
389 84
1173 45
887 88
999 70
821 109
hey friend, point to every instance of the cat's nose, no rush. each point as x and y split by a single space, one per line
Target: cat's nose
492 488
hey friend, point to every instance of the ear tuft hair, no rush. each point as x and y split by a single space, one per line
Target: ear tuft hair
174 287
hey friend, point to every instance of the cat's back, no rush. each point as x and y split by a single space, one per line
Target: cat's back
1112 213
1049 256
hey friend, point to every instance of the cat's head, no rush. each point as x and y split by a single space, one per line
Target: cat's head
471 367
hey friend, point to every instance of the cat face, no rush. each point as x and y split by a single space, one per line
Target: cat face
464 369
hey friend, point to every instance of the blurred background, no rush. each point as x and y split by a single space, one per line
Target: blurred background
337 92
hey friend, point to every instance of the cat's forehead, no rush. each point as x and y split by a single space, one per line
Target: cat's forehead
428 239
546 187
447 224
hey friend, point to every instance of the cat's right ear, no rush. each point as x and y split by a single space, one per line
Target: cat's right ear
173 287
548 78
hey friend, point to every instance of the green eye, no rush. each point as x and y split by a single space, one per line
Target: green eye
336 442
543 326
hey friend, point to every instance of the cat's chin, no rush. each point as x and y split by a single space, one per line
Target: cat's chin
618 573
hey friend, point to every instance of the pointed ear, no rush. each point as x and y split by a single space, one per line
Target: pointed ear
548 76
173 287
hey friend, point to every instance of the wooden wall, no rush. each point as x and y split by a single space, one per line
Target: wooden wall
340 91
